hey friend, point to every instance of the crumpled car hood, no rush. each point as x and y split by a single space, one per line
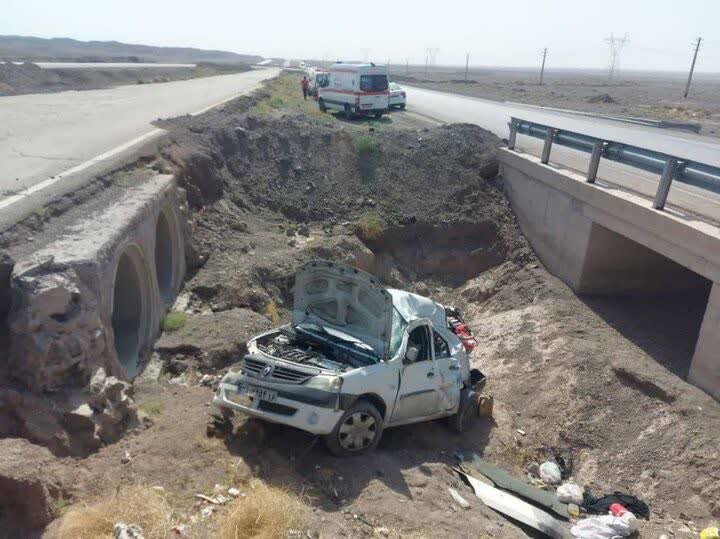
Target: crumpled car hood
346 299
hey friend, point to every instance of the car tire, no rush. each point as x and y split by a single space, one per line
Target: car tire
358 431
321 104
348 112
402 106
467 411
378 115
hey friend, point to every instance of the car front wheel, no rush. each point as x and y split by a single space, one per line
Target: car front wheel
358 431
321 103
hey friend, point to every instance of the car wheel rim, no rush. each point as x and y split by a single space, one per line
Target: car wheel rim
357 432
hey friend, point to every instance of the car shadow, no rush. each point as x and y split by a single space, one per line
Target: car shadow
283 455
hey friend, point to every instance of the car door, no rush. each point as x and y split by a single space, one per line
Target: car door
418 396
448 371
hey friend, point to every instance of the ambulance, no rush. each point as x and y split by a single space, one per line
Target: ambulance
356 90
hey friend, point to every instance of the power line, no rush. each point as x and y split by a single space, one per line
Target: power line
542 68
616 45
692 66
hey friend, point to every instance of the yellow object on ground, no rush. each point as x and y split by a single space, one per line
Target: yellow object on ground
710 533
485 405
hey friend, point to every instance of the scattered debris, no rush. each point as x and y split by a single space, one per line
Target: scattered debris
602 505
504 480
516 508
550 473
601 527
233 492
570 493
127 531
126 458
462 502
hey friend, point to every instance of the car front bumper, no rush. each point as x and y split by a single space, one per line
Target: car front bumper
313 411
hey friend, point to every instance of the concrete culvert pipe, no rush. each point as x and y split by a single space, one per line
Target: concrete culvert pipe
164 259
129 315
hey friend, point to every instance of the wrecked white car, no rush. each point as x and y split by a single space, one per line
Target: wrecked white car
357 358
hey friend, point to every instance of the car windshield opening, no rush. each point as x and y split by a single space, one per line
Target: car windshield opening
373 83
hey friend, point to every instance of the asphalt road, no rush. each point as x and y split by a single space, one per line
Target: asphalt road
51 143
494 116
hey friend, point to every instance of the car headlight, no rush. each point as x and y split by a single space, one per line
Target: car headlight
326 383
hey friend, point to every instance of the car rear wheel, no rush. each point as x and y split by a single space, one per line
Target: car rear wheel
358 431
402 106
321 103
378 115
348 112
467 411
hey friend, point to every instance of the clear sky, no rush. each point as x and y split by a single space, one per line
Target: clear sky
496 33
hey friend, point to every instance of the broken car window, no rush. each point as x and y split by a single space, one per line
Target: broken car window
398 329
419 339
441 346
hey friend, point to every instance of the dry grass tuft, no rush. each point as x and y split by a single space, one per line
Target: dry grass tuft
132 505
265 513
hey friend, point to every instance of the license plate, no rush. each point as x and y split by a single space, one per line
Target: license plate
259 392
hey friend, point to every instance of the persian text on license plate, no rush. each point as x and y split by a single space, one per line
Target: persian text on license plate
259 392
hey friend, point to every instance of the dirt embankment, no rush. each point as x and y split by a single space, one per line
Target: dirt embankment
421 207
29 78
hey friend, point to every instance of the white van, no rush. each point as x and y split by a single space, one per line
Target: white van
356 89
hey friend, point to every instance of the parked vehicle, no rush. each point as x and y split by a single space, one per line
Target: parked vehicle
356 359
356 90
397 97
319 78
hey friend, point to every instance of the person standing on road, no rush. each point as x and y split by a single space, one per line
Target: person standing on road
304 83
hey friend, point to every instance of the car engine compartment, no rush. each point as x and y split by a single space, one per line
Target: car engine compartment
298 345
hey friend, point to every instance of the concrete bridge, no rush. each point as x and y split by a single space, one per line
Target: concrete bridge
602 240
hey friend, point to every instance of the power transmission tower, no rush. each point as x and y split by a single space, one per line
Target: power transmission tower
467 63
692 66
616 45
430 57
542 68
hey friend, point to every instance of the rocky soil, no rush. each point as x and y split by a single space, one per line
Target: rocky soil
422 208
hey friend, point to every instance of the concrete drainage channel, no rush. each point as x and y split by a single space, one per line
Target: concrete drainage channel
86 310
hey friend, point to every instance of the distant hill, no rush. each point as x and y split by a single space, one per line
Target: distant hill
36 49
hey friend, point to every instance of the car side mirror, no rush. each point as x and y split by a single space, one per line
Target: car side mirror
411 355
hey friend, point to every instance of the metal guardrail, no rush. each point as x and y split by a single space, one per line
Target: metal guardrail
670 168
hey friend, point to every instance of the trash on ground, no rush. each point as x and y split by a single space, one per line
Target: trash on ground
504 480
515 508
485 405
601 527
217 500
127 531
462 502
550 473
570 493
710 533
601 506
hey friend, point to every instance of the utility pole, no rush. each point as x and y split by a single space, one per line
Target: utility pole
407 66
692 66
542 68
616 46
467 63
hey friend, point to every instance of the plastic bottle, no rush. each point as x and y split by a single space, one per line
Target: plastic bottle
623 514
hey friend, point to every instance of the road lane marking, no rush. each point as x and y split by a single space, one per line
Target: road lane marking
107 155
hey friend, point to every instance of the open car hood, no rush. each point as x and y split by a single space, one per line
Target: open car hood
346 299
